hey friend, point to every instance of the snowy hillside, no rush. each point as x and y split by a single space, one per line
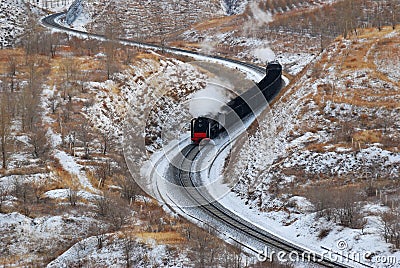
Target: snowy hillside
232 7
14 13
75 203
333 140
163 98
144 19
12 16
51 5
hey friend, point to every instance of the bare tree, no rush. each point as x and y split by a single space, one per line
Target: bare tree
347 211
54 103
128 245
394 12
12 71
103 206
5 128
203 245
108 139
103 172
113 30
99 231
72 196
129 188
3 196
39 141
25 193
84 134
27 109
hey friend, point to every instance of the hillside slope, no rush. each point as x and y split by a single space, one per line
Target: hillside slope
326 157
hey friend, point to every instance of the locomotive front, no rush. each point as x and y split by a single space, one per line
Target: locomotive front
202 128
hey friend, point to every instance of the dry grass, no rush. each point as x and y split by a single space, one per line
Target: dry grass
6 54
368 136
220 23
23 171
170 237
317 147
64 179
358 56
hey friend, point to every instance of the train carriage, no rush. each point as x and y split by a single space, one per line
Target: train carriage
239 108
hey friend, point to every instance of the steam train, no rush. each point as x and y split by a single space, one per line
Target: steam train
239 108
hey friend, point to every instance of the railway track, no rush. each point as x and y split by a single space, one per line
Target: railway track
51 21
182 170
185 177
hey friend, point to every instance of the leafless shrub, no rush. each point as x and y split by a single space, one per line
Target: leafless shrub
345 210
345 132
113 210
128 245
23 191
323 233
84 134
203 247
103 206
129 188
338 205
72 197
391 227
323 201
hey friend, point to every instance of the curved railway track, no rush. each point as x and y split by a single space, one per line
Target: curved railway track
182 171
184 177
50 21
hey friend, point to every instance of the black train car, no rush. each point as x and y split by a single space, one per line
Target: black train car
236 110
255 98
272 82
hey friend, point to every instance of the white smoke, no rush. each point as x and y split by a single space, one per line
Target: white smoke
207 47
208 100
259 18
264 54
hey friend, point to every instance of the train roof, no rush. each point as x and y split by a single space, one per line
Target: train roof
274 65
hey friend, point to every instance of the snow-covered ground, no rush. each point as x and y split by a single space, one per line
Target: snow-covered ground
145 19
273 169
33 240
12 15
114 251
